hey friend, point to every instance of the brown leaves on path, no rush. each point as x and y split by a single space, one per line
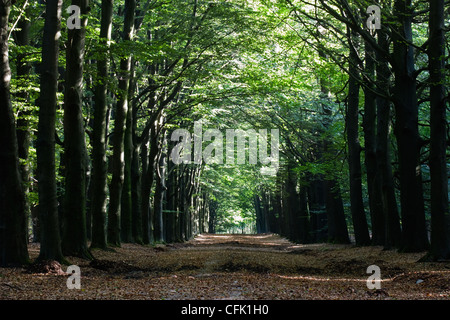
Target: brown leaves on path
234 267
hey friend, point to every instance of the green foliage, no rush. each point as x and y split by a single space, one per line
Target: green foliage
240 65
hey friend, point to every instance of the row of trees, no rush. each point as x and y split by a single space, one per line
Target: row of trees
101 131
396 78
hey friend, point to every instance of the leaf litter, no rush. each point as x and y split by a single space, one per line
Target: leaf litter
250 267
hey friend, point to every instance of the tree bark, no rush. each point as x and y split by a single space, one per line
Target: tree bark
136 199
354 148
74 240
13 232
370 147
258 213
440 217
317 209
414 235
147 183
213 205
119 132
99 144
23 68
337 226
304 235
126 204
45 144
388 199
160 192
291 207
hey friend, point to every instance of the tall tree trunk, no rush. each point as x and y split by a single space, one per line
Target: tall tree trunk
45 145
13 232
168 216
440 217
304 235
119 132
278 210
354 148
213 205
291 203
160 189
147 183
388 199
370 147
74 240
271 214
145 193
183 206
258 213
23 68
414 235
126 204
265 211
136 201
99 144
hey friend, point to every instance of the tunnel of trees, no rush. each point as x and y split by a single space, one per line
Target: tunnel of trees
92 94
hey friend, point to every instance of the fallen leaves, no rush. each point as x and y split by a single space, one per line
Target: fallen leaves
233 267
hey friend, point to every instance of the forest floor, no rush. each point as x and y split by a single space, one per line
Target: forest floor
234 267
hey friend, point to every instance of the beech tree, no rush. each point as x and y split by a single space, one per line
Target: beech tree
99 134
119 131
440 217
50 238
74 240
13 235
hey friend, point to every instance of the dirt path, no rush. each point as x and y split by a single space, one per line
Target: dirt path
235 267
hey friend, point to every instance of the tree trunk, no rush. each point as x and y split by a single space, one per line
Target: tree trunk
99 144
119 132
147 183
136 201
183 206
370 147
13 228
304 235
414 235
129 144
337 226
258 214
212 216
145 193
126 205
170 216
265 210
386 183
23 68
291 204
45 144
160 193
317 209
74 240
354 148
278 210
440 217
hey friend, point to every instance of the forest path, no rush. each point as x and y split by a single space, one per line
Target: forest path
252 242
235 267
